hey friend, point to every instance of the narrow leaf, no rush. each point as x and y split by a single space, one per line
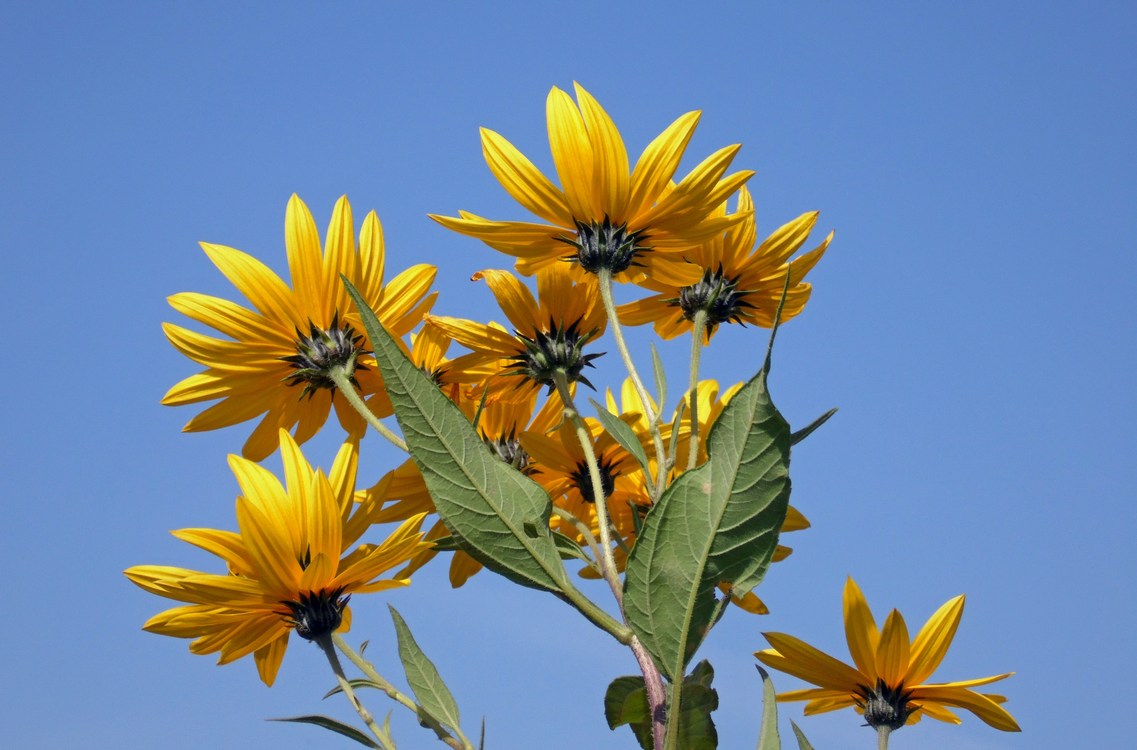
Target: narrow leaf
355 685
336 726
622 434
660 373
717 523
802 742
486 503
768 738
426 683
806 431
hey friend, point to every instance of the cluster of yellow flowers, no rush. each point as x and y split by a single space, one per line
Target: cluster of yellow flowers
289 359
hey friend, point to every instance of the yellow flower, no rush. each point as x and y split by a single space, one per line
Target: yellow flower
888 684
550 332
603 215
737 282
277 355
286 569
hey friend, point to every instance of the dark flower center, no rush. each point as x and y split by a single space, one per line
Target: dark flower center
316 614
558 349
321 351
714 294
582 479
605 245
508 449
887 707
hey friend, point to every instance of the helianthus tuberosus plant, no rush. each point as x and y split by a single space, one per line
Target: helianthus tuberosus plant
675 510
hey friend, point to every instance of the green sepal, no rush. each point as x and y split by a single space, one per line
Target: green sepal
434 698
804 432
716 523
625 702
335 726
486 504
623 434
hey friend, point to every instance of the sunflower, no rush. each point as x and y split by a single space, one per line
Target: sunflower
285 570
550 333
887 685
737 281
276 359
603 215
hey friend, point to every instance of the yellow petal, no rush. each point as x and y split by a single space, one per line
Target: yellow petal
572 153
798 658
229 318
893 650
269 657
514 298
932 642
523 181
860 630
610 186
985 708
305 263
372 258
339 257
257 282
659 161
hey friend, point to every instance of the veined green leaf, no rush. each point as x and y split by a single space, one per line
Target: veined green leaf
426 683
622 434
768 738
717 523
660 373
487 504
625 702
334 725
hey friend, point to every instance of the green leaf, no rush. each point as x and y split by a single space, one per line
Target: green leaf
622 434
336 726
660 377
426 683
485 503
569 549
768 738
355 685
717 523
802 742
806 431
625 702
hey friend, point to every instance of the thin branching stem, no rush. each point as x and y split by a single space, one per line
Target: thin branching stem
698 331
394 694
882 733
604 277
325 644
347 389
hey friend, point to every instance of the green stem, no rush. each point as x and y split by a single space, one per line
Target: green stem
882 733
698 331
325 644
393 693
347 389
604 277
607 561
673 715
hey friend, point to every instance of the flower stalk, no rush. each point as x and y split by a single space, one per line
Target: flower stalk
698 332
342 378
324 641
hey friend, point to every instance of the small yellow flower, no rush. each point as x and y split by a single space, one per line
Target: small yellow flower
550 332
286 564
276 356
729 277
888 683
603 215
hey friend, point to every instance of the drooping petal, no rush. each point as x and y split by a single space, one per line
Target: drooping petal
798 658
985 708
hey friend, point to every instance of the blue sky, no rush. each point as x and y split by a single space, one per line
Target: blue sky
974 321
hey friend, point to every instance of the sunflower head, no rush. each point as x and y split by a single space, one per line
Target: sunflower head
320 352
554 349
604 245
316 615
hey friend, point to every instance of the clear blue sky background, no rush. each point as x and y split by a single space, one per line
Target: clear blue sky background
974 320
